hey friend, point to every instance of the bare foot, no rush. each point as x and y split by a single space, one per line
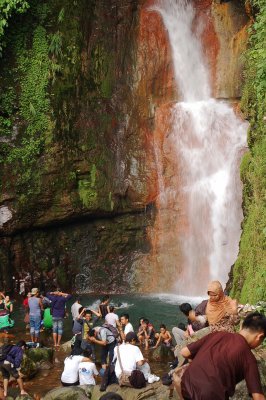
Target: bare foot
23 393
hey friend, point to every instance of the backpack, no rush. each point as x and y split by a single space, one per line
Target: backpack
137 379
112 329
4 350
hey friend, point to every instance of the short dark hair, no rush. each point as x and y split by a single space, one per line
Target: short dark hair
111 308
255 322
105 298
87 352
181 326
21 343
163 326
185 308
91 332
131 336
111 396
88 312
125 316
146 321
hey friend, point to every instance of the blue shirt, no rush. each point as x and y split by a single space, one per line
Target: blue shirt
58 304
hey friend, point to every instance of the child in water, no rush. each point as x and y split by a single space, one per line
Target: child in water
164 337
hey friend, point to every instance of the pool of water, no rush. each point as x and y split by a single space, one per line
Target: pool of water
158 308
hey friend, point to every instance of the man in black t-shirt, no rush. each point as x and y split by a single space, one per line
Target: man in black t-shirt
221 360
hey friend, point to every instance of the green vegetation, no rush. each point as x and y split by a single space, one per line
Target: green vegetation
7 9
249 273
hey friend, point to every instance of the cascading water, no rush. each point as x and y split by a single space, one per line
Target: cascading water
208 140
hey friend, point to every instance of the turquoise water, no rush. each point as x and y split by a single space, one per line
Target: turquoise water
158 308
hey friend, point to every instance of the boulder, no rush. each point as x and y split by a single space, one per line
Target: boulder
40 354
163 353
154 391
45 365
70 393
66 347
28 367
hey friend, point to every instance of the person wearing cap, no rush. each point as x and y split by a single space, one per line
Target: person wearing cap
35 311
132 358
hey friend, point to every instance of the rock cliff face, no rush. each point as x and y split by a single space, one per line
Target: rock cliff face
86 88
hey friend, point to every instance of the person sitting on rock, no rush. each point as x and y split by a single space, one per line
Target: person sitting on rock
164 337
87 370
196 320
146 334
221 359
11 366
131 358
221 310
70 374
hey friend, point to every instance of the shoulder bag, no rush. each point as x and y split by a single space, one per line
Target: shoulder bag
124 377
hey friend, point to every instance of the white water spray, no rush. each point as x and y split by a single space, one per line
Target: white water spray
208 140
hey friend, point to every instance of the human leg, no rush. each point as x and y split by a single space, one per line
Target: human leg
21 387
55 330
111 348
6 375
104 353
32 328
178 334
37 328
60 330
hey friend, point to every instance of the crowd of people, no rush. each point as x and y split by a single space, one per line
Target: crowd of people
221 357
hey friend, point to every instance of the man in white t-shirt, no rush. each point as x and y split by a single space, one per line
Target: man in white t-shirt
111 318
75 309
131 358
87 370
127 326
130 355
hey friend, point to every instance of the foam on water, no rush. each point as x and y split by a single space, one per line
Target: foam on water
176 299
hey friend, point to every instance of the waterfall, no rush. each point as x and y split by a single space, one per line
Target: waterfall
208 140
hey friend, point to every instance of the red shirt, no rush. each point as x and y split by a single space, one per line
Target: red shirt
220 361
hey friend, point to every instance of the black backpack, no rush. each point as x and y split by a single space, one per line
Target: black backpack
4 350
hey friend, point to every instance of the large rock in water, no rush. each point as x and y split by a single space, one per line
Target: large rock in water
155 391
28 367
40 354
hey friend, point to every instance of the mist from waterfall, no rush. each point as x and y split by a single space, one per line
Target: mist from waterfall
208 140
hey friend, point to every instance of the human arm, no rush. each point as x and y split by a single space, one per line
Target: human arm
258 396
11 308
2 295
98 314
41 304
158 341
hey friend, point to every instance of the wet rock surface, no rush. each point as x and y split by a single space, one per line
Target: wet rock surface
155 391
